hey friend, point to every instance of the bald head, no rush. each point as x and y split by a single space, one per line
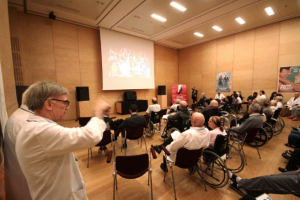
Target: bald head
183 105
214 104
197 120
154 100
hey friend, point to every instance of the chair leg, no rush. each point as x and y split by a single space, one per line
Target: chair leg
116 182
88 162
151 185
257 150
91 152
200 168
114 186
173 182
148 177
242 150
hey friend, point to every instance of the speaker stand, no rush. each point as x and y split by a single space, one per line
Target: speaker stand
162 101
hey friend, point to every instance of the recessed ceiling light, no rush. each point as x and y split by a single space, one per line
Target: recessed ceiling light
217 28
240 20
178 6
198 34
269 11
158 17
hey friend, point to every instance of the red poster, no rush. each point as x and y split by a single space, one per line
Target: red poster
179 92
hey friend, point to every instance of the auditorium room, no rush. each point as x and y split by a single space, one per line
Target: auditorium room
149 99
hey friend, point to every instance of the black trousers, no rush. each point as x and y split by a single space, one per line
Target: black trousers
294 160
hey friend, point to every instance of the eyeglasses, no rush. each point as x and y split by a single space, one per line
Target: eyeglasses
66 102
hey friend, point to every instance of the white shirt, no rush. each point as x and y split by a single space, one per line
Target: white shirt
292 101
221 96
15 183
44 150
213 135
193 138
279 105
239 100
174 106
261 96
273 108
153 108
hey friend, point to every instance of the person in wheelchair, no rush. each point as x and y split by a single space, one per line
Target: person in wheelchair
182 113
215 124
254 119
206 105
155 107
194 138
227 103
174 107
212 111
201 101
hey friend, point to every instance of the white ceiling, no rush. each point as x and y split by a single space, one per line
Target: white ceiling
134 16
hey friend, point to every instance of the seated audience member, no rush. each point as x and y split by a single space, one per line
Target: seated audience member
265 106
273 105
295 113
294 139
280 95
194 138
252 97
174 107
227 103
15 183
220 96
134 120
294 101
44 148
110 125
215 124
207 103
261 95
183 112
253 121
234 101
201 101
273 95
153 108
239 93
285 183
212 111
294 160
261 101
278 99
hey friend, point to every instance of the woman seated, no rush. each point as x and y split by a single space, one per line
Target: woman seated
228 102
214 123
273 105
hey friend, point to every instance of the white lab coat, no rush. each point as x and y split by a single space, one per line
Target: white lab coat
15 183
221 96
292 101
193 138
44 150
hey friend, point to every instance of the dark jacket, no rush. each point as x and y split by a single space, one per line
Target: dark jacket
211 112
184 113
201 101
134 120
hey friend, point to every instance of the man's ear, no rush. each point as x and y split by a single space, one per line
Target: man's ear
48 105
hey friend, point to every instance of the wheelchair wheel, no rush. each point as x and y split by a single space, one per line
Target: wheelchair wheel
276 125
224 112
282 123
212 169
171 130
261 138
148 132
234 159
268 128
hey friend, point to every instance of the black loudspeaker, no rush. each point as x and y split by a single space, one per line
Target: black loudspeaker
161 90
129 96
82 94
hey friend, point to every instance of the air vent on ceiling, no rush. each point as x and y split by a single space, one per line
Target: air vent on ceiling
136 29
177 42
67 8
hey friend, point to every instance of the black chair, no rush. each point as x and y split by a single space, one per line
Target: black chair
276 122
134 133
184 124
185 159
131 167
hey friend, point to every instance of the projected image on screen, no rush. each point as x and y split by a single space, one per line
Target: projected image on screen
127 63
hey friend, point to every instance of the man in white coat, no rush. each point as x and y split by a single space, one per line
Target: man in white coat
15 183
44 148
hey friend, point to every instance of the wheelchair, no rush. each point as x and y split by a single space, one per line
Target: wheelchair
276 122
155 118
216 163
181 125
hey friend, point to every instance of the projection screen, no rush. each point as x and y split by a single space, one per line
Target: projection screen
127 61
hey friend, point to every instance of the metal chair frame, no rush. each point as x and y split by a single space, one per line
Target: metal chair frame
129 131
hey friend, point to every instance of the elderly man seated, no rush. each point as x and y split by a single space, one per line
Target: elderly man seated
201 101
254 120
155 107
294 101
174 107
212 111
196 137
220 96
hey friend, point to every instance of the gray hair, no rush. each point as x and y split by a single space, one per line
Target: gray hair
255 107
279 98
260 101
266 102
273 103
41 92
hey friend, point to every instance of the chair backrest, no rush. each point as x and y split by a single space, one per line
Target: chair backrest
187 158
162 112
147 118
251 133
221 145
276 113
155 117
84 120
131 167
269 117
106 138
183 124
135 132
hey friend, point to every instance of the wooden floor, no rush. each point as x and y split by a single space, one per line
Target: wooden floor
99 180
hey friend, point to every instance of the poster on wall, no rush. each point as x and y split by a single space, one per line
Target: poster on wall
179 92
289 79
223 82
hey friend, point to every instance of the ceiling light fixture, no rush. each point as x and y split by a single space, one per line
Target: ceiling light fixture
217 28
240 20
158 17
198 34
269 11
178 6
